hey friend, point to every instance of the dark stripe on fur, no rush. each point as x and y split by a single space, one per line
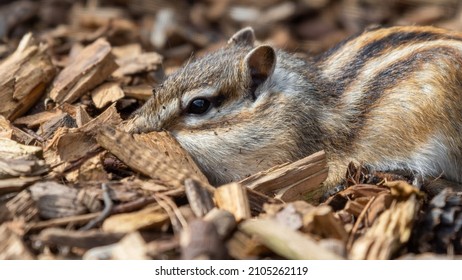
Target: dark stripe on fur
377 48
391 76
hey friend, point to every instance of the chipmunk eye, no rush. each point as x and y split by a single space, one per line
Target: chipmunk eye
198 106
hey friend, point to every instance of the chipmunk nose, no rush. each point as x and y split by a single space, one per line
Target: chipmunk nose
140 124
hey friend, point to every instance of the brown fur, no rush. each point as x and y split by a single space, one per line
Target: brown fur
389 98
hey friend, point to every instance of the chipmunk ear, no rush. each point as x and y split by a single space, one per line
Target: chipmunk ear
245 36
260 63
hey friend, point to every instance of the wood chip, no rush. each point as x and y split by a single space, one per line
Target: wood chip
381 203
66 147
223 220
289 217
140 92
110 116
92 170
11 246
199 198
288 243
20 167
106 93
81 239
326 224
6 130
354 207
10 149
389 232
243 247
297 180
23 207
201 241
24 76
70 145
48 128
233 198
147 160
131 247
88 69
126 51
163 248
55 200
257 201
81 116
402 189
150 217
16 184
319 221
166 144
5 214
144 62
32 121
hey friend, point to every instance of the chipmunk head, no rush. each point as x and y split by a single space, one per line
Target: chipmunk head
228 109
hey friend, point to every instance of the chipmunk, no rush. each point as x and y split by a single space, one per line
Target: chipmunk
390 98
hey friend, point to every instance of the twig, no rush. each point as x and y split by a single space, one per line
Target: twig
33 134
143 201
358 222
133 205
87 218
175 209
172 211
61 221
108 204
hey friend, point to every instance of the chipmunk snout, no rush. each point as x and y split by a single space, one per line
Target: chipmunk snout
141 124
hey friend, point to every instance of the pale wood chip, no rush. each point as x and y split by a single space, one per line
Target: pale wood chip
88 69
24 76
150 217
293 181
286 242
106 93
11 246
233 198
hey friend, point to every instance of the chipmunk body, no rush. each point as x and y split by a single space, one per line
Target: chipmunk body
389 98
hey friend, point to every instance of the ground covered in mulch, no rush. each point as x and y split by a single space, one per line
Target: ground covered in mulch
75 185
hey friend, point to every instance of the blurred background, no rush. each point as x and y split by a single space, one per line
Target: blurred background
178 28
